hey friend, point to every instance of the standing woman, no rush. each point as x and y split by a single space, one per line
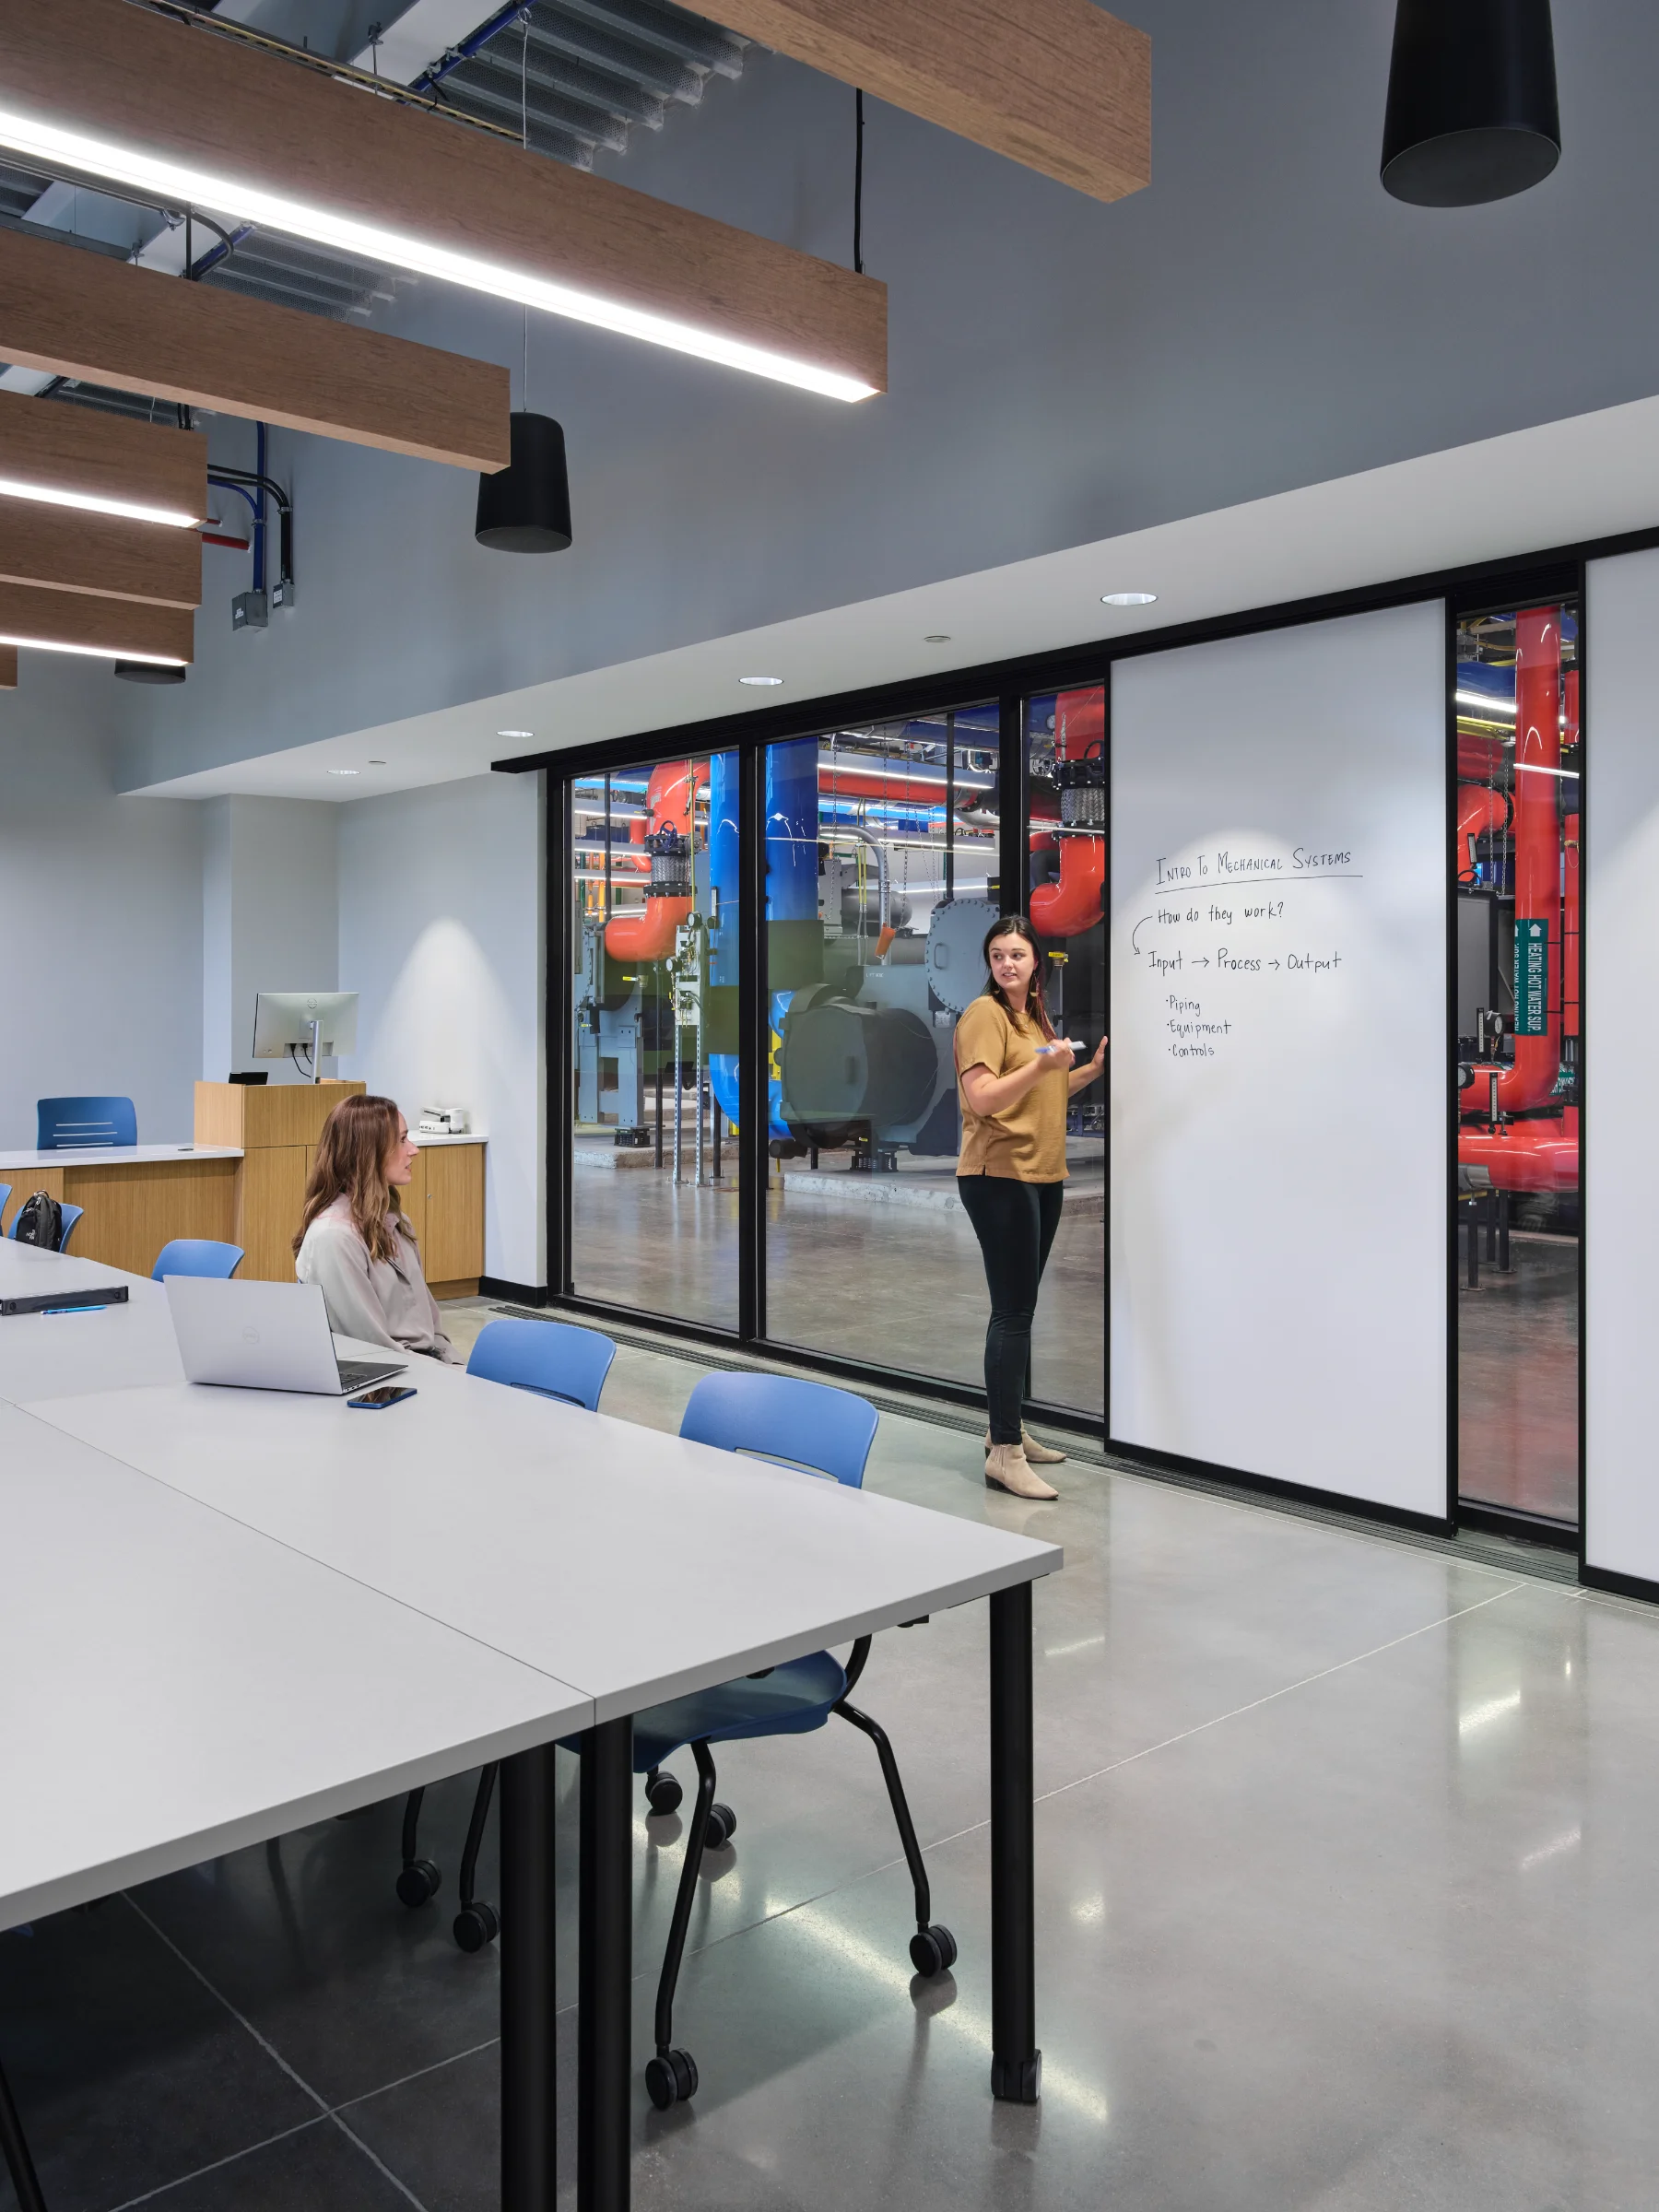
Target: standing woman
354 1243
1015 1079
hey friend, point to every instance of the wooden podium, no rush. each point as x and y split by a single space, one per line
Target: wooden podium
276 1126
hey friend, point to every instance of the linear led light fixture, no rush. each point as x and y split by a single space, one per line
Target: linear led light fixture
94 652
51 495
175 183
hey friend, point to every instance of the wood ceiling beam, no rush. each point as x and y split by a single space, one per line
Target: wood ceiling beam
104 321
180 93
30 614
1058 85
102 554
76 454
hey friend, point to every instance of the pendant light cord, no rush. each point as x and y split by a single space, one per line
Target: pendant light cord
525 140
858 268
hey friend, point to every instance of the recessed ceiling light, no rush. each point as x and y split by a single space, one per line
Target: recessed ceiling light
936 637
178 184
342 772
516 733
765 681
1128 598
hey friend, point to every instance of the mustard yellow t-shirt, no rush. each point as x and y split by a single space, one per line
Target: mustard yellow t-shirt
1026 1140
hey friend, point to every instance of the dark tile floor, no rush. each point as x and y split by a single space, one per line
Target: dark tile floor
1345 1904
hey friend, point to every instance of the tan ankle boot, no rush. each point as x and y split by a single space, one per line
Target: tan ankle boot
1040 1455
1006 1468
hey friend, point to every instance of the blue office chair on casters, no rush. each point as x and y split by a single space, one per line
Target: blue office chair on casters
62 1124
67 1218
198 1256
554 1360
809 1425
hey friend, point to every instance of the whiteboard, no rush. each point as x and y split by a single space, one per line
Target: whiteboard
1279 1101
1621 866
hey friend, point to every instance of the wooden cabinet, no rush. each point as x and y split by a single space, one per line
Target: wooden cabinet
450 1224
276 1126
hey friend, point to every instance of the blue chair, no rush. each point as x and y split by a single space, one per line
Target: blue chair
806 1425
555 1359
4 1195
198 1256
62 1124
551 1357
67 1218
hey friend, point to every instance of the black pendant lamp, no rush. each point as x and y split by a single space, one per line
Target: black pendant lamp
1472 112
525 507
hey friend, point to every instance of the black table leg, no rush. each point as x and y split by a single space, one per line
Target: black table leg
1016 2062
18 2163
603 2092
529 2010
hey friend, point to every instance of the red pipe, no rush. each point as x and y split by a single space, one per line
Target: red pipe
649 935
1480 812
1570 879
1523 1155
1537 826
1077 900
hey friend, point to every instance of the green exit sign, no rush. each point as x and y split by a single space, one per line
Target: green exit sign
1532 978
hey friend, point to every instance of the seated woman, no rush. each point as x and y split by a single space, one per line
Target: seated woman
354 1243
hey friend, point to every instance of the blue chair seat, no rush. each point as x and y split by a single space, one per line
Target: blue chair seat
792 1700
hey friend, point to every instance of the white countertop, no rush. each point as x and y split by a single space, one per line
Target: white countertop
111 1156
173 1686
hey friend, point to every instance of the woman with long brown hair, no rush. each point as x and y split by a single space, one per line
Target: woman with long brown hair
1015 1079
354 1241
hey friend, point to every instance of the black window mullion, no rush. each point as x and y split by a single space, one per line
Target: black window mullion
754 1033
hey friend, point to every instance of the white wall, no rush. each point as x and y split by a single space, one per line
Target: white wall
1279 1024
1621 1321
270 920
101 913
441 933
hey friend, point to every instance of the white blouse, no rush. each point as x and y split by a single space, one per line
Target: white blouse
378 1301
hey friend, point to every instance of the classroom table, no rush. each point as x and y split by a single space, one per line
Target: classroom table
86 1347
638 1567
175 1685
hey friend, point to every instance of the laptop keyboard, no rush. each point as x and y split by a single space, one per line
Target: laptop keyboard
357 1374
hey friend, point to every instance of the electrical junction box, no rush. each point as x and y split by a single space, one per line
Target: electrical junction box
251 610
442 1121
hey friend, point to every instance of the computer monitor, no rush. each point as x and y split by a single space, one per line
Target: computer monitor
289 1024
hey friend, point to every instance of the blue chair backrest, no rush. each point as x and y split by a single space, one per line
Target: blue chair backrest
4 1195
196 1255
551 1357
61 1124
778 1416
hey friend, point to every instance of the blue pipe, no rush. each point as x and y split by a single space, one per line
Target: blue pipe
792 878
259 510
473 43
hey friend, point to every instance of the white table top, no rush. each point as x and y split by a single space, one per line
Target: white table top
173 1686
13 1164
97 1347
633 1564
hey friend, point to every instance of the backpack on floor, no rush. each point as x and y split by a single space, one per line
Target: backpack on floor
40 1222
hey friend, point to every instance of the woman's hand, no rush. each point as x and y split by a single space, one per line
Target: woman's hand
1092 1070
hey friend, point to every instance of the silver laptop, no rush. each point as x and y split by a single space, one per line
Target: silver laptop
264 1336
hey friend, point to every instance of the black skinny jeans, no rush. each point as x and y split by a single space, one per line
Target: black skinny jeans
1015 1223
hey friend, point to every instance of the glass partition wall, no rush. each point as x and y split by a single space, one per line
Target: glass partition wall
883 852
1520 763
654 1174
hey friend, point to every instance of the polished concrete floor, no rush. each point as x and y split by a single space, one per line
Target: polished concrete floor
1518 1380
901 1286
1345 1904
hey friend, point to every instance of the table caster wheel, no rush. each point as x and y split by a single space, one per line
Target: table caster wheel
663 1794
418 1883
932 1950
721 1827
670 2078
477 1925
